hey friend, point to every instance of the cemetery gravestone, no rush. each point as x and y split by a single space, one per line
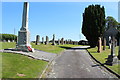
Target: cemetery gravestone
71 42
111 32
119 50
77 43
13 41
4 40
47 40
68 42
53 41
8 41
62 41
58 41
65 42
109 42
42 40
37 40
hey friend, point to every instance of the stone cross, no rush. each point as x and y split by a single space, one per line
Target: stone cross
37 40
112 32
113 46
23 42
119 50
111 56
99 45
42 40
47 40
58 41
115 42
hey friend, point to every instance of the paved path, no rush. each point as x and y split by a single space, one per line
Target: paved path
76 63
37 54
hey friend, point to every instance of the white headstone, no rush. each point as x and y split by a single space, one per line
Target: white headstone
8 41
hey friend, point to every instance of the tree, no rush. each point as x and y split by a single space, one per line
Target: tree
93 23
118 27
111 21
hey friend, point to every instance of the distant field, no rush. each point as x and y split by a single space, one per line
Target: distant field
102 57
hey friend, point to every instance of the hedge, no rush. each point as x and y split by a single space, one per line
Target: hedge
7 37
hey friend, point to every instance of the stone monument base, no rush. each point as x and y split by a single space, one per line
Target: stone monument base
112 60
24 48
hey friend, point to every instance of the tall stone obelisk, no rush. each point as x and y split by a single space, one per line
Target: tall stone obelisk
24 34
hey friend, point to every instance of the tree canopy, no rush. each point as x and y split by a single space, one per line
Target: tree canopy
93 23
111 21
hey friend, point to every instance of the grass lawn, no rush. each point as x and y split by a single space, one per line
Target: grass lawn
5 45
102 57
13 65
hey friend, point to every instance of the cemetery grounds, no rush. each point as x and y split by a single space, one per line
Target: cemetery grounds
19 66
102 57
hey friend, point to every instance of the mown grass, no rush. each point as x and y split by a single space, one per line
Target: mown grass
5 45
52 48
13 64
102 57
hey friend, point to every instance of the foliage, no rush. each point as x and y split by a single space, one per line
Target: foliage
93 23
110 21
8 37
118 26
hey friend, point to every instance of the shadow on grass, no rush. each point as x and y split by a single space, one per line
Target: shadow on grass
72 48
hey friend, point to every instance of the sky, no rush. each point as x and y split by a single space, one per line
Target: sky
64 19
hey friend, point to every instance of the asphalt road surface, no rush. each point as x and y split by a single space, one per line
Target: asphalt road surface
77 63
